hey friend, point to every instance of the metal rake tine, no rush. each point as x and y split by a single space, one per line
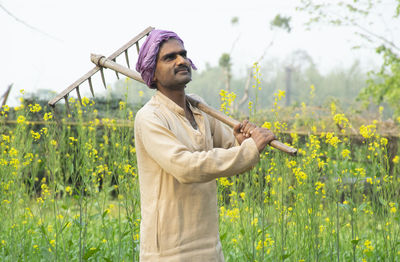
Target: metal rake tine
127 58
67 104
137 47
102 77
94 70
55 115
115 60
91 86
79 95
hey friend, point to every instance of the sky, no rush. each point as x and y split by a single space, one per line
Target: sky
71 30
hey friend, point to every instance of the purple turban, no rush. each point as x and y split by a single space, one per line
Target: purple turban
146 64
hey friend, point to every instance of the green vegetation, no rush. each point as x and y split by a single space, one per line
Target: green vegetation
69 188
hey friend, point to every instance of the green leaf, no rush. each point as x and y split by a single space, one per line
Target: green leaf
107 259
43 230
361 207
355 241
65 225
223 236
90 252
287 255
382 201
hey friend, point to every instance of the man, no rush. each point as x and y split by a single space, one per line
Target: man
180 152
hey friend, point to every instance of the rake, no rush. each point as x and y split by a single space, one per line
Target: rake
110 62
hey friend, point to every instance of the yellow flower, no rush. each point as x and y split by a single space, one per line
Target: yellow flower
333 108
395 160
341 120
267 125
122 105
345 153
233 214
35 108
254 222
312 91
35 135
21 119
250 106
361 171
47 116
6 108
68 190
141 93
225 182
242 195
381 108
332 140
85 101
367 131
43 130
281 94
259 245
392 207
368 246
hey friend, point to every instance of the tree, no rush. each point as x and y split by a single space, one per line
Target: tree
9 13
362 16
226 65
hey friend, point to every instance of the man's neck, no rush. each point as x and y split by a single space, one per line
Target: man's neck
178 96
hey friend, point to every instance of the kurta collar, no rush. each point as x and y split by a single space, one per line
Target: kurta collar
171 105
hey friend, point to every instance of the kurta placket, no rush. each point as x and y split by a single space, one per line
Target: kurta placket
177 167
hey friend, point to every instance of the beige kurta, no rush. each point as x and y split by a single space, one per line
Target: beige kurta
177 168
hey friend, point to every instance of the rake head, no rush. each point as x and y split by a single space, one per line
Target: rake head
88 76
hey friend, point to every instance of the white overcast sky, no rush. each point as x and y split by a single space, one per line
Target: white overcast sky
32 60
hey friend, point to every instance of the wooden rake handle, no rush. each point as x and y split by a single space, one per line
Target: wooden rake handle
107 63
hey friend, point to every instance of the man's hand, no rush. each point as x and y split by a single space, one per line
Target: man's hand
262 137
243 130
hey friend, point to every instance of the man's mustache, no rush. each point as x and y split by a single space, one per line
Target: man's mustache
181 68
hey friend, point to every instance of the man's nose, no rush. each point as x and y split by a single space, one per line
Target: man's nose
181 60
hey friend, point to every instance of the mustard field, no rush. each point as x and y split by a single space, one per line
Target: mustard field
69 189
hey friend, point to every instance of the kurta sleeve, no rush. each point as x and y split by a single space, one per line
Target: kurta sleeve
191 167
222 134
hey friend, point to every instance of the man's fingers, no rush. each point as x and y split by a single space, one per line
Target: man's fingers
247 128
243 125
237 128
271 137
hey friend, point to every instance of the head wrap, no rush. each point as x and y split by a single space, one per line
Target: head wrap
146 64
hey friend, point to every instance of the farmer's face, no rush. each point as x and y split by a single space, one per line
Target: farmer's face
173 69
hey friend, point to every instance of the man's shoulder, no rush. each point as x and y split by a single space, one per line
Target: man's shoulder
197 97
149 109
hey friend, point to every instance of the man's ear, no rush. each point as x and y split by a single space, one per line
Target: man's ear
154 78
